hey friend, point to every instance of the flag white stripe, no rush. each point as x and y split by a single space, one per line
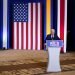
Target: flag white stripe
29 26
58 18
24 33
39 26
20 35
65 27
5 23
34 24
15 35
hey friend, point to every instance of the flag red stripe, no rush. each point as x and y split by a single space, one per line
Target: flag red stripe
62 9
26 35
17 35
31 26
36 24
62 4
22 31
40 26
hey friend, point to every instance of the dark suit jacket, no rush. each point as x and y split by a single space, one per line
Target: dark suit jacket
49 37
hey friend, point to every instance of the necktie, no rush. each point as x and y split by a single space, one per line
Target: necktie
52 37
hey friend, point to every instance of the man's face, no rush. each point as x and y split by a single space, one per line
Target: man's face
52 31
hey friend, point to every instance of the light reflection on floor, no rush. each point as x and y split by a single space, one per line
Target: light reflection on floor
21 62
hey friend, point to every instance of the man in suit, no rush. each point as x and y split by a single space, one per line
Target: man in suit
52 36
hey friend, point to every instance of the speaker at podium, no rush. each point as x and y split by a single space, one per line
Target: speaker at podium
54 47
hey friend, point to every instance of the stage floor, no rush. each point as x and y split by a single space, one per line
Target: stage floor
25 62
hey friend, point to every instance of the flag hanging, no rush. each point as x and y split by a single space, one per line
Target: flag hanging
56 13
62 22
27 26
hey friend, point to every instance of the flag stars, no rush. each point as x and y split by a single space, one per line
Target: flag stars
20 12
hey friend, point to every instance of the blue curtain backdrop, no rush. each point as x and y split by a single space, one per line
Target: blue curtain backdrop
1 22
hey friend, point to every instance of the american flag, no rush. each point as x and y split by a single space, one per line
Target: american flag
27 26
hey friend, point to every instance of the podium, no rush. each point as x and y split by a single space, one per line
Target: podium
54 47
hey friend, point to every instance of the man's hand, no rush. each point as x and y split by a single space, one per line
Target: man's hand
45 45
